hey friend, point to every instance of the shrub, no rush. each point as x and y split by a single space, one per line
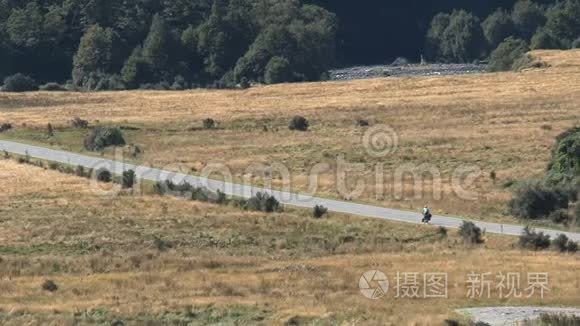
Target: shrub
507 52
209 123
99 138
79 123
52 87
53 165
564 166
49 285
362 122
563 244
263 202
128 179
19 83
576 44
103 175
529 239
470 233
319 211
535 201
299 123
5 126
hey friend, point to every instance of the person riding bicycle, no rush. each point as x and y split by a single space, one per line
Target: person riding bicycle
426 214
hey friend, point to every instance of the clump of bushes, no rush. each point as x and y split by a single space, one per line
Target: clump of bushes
529 239
187 190
299 123
5 126
536 201
263 202
319 211
470 233
510 50
576 43
128 179
104 175
362 122
103 137
19 83
563 244
79 123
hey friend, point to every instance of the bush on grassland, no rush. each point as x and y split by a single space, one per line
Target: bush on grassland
263 202
563 244
104 175
536 201
128 179
209 123
103 137
470 233
319 211
529 239
299 123
79 123
5 126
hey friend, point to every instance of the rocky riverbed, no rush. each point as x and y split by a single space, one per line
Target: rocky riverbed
364 72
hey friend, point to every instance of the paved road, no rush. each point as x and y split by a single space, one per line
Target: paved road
245 191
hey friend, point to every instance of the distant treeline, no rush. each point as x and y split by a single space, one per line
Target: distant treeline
110 44
118 44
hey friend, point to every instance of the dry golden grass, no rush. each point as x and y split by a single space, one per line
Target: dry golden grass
502 122
136 258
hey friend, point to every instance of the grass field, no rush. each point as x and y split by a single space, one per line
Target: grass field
149 259
502 123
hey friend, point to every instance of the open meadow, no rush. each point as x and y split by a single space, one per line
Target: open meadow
147 259
502 125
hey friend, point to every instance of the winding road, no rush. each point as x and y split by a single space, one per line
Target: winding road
246 191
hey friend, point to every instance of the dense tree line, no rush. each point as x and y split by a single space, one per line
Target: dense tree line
118 44
461 36
113 44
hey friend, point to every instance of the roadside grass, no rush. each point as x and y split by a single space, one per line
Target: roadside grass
145 258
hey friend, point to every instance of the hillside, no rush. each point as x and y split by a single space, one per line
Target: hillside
503 123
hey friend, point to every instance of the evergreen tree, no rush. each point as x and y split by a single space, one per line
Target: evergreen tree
157 48
135 71
95 54
564 22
